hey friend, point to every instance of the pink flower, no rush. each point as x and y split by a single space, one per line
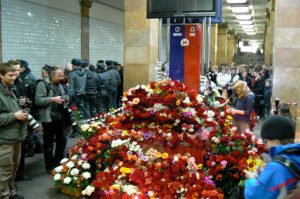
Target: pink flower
224 163
213 163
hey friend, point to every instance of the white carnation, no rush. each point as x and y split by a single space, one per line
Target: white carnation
88 190
57 177
64 160
80 162
70 164
74 157
86 165
86 175
58 169
67 180
74 172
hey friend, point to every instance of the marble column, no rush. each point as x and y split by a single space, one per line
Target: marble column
286 54
140 44
213 44
85 36
1 44
269 33
222 44
230 46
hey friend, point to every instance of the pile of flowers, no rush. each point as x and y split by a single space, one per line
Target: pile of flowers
167 142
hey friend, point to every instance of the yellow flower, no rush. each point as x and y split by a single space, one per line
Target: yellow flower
165 155
115 186
135 101
200 166
229 117
158 155
125 170
125 133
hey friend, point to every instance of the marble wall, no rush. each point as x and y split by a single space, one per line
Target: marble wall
140 44
286 53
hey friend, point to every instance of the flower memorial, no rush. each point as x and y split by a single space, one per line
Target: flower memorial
167 142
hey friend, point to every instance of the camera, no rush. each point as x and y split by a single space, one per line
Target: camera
31 121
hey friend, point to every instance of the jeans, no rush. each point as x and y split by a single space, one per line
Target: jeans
54 132
9 163
102 102
90 105
112 98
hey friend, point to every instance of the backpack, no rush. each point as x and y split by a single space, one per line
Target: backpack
292 167
31 95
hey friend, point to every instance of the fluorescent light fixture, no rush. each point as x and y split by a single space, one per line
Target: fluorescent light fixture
250 30
251 33
240 9
245 22
236 1
247 26
243 17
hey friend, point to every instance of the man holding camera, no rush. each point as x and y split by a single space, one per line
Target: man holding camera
13 132
52 113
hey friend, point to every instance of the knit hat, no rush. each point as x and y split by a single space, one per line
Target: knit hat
76 62
277 128
23 63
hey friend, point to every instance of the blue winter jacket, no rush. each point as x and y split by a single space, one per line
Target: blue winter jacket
275 180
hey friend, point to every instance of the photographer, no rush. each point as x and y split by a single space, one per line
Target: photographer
52 112
13 132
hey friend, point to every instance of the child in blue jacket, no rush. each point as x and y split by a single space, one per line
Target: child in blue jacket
276 180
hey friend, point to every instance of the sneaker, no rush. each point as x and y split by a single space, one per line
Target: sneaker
16 197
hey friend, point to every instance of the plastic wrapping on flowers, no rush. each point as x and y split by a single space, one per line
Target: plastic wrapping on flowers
147 150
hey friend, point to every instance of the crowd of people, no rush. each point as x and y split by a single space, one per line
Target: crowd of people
26 102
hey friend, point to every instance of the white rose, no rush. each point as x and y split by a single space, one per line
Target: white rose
64 160
217 104
210 114
70 164
150 193
199 99
175 159
85 127
143 87
187 100
86 165
58 169
57 177
67 180
74 172
222 114
86 175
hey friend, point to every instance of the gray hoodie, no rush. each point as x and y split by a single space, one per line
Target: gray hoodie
77 82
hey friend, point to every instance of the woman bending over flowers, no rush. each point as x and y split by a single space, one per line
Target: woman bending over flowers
243 106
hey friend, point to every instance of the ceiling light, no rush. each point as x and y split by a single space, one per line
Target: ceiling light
251 33
245 22
236 1
240 9
250 30
243 17
247 26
